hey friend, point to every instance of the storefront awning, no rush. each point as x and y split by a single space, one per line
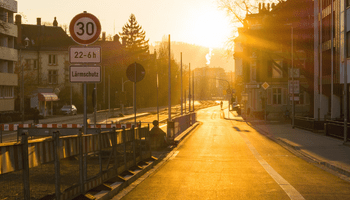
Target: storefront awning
47 97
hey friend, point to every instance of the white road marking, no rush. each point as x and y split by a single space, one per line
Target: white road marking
162 125
288 188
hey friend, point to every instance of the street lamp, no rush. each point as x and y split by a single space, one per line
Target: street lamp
22 83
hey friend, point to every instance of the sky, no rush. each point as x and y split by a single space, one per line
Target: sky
191 21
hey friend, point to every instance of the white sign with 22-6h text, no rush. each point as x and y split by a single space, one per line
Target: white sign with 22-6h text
85 74
82 54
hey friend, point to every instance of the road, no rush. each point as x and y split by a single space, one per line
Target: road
227 159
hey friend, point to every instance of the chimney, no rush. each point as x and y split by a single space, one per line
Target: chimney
38 21
19 30
55 22
103 36
268 6
18 19
259 7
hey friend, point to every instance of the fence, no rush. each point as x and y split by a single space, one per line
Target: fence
336 129
79 162
308 123
181 123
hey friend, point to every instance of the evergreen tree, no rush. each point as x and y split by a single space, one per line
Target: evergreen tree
133 38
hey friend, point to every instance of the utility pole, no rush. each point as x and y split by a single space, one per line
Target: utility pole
181 85
189 88
169 91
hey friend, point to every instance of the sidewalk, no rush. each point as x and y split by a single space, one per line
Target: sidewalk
324 150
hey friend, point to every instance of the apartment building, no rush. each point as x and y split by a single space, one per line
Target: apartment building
43 55
8 55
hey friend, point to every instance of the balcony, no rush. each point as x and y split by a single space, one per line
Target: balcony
8 79
8 54
10 29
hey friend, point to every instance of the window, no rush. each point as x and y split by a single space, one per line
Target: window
53 77
277 96
6 91
35 64
52 59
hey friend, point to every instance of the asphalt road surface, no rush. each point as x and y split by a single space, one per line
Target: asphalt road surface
227 159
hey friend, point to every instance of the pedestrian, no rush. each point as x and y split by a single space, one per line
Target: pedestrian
221 103
158 136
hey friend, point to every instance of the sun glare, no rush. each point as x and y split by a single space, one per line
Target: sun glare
210 28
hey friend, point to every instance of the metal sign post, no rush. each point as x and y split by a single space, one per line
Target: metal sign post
85 29
135 73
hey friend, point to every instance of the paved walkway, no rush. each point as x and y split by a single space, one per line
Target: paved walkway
325 150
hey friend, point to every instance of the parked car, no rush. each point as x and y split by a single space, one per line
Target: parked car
69 110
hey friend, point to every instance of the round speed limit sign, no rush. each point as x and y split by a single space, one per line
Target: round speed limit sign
85 28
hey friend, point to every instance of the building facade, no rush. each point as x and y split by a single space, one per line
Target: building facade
272 45
43 54
8 55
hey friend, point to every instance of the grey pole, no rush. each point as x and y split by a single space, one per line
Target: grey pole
345 80
181 86
193 90
293 84
135 98
22 84
95 109
332 60
321 49
85 110
169 89
109 95
189 87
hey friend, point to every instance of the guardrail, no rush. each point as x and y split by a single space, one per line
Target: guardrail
308 123
117 151
336 129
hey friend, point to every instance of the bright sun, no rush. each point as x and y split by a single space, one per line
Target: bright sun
210 28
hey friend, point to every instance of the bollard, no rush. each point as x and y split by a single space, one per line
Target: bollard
115 149
148 139
0 133
124 141
140 144
100 150
134 143
81 172
56 143
26 187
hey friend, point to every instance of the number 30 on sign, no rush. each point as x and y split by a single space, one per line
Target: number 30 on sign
85 28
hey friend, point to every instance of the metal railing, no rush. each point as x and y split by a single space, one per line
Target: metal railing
308 123
79 162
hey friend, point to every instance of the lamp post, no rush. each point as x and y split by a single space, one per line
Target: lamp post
22 82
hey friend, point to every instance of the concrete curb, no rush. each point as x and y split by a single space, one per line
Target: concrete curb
180 137
295 148
118 186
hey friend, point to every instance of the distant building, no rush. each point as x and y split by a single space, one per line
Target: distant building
210 83
43 50
8 55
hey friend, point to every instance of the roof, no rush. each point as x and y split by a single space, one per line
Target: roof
43 37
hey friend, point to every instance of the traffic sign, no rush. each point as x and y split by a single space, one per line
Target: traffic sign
82 54
84 74
85 28
265 85
135 72
296 86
